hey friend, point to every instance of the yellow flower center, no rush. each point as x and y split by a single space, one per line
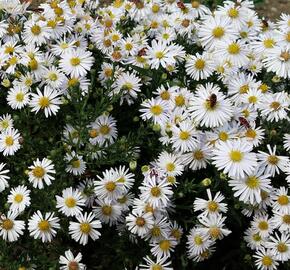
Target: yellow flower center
199 64
214 232
283 200
38 172
155 8
252 99
93 133
170 167
75 61
165 95
35 30
252 182
44 225
176 234
85 227
156 109
198 155
107 210
236 156
275 105
164 245
184 135
267 260
18 198
128 46
140 221
223 136
269 43
263 225
157 267
218 32
105 129
263 87
233 13
244 89
256 237
76 163
286 219
73 266
282 247
7 224
70 202
155 231
52 76
110 186
285 56
179 100
19 97
33 64
198 240
234 48
44 102
251 133
155 191
159 55
73 82
9 141
212 206
273 160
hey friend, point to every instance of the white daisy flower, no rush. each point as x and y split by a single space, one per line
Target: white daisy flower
6 122
234 158
158 263
19 198
281 200
10 228
254 239
48 101
76 62
248 189
76 165
70 262
18 97
70 202
280 246
9 141
170 163
212 206
156 193
43 226
163 248
41 171
86 227
263 225
139 223
3 177
265 259
209 107
271 162
282 220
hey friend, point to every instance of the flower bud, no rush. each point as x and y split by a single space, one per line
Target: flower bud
206 182
133 165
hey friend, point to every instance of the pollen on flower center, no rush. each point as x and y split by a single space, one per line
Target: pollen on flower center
184 135
18 198
269 43
35 29
140 221
70 202
52 77
212 206
179 100
236 156
275 105
107 210
159 55
252 182
256 237
233 13
214 232
286 219
155 191
263 225
272 159
267 261
218 32
38 172
283 200
199 64
281 247
7 224
105 129
198 240
285 56
44 225
76 163
198 155
157 267
250 133
252 99
170 167
234 48
19 97
75 61
110 186
223 136
85 227
73 266
44 102
156 231
164 245
9 140
156 109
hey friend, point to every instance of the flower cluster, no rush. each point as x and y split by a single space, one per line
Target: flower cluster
110 117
